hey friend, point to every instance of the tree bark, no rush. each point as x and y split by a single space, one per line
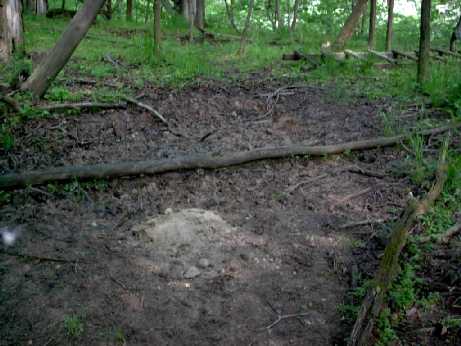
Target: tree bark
372 27
129 10
157 26
350 25
456 35
11 28
390 23
57 58
424 41
205 161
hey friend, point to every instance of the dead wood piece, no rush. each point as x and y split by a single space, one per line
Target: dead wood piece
313 59
81 105
409 56
388 269
443 238
205 161
148 108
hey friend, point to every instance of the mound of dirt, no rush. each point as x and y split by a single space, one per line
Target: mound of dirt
189 239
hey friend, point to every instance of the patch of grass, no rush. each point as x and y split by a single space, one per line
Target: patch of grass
73 326
387 333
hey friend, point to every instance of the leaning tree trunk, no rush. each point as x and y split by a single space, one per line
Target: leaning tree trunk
456 35
230 15
350 25
11 30
57 58
372 27
424 40
390 22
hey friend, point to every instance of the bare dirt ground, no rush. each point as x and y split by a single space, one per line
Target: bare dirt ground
243 245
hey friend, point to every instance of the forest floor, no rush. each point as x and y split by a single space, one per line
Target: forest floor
259 254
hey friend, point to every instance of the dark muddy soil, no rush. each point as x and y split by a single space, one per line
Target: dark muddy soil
279 250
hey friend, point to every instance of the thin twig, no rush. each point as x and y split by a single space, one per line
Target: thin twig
280 318
444 237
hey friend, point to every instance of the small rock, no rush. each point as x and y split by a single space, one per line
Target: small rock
168 211
192 272
204 263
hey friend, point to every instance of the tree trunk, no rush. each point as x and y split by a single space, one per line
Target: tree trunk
456 35
37 7
424 41
230 15
246 28
295 15
129 10
157 28
278 23
11 29
63 5
350 25
190 15
57 58
390 22
372 27
200 14
108 12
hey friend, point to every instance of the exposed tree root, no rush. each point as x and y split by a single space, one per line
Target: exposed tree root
388 269
206 161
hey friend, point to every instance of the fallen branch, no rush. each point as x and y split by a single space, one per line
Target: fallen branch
146 107
38 258
443 238
366 172
206 161
389 266
293 188
280 318
80 105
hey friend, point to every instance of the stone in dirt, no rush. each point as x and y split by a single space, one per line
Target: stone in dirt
192 272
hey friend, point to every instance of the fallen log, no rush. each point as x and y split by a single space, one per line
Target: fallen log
409 56
388 269
206 161
80 105
446 52
11 102
384 56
